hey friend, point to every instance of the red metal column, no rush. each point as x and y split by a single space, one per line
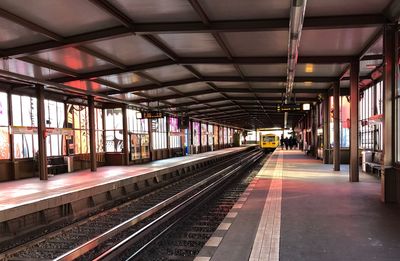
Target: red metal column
354 101
326 107
125 134
388 177
336 129
92 134
42 157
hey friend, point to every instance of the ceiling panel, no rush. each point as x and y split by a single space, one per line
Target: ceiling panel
13 35
126 96
312 85
235 94
264 70
348 41
244 10
319 69
128 50
62 17
193 44
230 85
169 73
269 85
158 92
156 10
88 86
227 102
195 106
126 79
209 96
377 47
272 43
180 100
24 68
344 7
73 59
216 70
192 87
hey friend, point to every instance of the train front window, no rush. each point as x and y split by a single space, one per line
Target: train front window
268 139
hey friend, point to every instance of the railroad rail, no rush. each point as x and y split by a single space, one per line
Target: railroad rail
91 235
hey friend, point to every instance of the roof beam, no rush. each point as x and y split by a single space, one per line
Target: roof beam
184 27
208 79
230 90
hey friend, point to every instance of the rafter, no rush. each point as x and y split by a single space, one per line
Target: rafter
350 21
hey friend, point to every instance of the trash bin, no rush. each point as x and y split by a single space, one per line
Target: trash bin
70 163
388 184
366 156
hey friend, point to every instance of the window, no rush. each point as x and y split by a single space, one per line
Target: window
174 133
54 118
24 110
159 133
79 121
4 134
114 130
210 134
98 122
370 118
196 133
344 122
139 135
216 133
203 134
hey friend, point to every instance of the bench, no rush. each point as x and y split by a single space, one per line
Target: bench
57 165
375 164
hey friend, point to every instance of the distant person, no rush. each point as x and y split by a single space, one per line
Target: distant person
286 141
282 142
291 142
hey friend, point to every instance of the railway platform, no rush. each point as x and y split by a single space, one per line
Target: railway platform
299 209
29 202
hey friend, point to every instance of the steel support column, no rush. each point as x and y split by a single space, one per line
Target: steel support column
325 108
336 129
315 127
388 177
168 137
92 134
354 101
42 157
150 127
125 134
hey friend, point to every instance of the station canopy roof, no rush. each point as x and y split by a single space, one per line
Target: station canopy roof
218 60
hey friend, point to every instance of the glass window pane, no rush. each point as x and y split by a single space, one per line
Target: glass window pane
4 143
16 110
3 109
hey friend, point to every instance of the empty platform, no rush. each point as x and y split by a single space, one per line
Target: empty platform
43 201
299 209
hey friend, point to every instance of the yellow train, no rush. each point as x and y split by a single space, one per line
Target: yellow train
269 142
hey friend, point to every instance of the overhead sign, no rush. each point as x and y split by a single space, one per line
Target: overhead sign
152 115
288 107
23 130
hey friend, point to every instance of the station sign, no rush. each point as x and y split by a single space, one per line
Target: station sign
152 115
288 107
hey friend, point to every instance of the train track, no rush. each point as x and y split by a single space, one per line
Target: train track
135 243
87 238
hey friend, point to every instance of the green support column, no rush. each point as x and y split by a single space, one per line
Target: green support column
354 102
42 157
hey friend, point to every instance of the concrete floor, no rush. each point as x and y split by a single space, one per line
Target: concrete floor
309 213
